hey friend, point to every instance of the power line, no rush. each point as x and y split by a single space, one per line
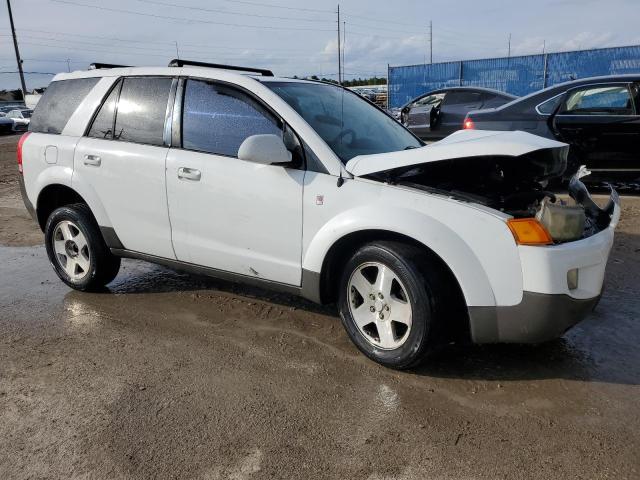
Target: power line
270 5
32 73
385 21
167 44
226 12
185 19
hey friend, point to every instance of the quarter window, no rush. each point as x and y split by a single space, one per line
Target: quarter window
602 100
142 109
217 119
548 107
58 103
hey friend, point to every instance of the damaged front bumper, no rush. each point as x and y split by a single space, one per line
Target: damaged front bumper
562 283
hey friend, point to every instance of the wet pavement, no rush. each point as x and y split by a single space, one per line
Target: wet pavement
167 375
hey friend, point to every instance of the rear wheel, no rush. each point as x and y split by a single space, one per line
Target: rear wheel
77 250
390 303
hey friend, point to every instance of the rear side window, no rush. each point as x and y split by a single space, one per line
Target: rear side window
217 119
141 110
461 98
58 103
103 123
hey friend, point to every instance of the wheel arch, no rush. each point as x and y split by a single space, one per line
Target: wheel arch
54 196
340 251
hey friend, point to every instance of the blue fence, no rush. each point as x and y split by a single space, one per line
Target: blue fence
516 75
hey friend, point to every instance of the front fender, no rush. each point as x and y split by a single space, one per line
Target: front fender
477 247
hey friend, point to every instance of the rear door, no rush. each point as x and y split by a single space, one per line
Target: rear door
454 109
226 213
602 124
418 118
122 158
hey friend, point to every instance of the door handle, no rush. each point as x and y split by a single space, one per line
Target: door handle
94 160
189 174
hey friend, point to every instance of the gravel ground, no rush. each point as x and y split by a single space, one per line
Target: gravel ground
170 375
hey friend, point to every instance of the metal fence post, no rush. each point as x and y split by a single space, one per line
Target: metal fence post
388 88
460 76
544 73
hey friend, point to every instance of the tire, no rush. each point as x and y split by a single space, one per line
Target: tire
76 249
410 278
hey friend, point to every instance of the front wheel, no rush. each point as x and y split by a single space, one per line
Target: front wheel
77 250
389 302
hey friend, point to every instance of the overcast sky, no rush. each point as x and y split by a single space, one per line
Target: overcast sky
298 37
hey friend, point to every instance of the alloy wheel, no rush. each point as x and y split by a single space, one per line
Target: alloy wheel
380 305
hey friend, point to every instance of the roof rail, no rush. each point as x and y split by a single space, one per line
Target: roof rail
99 66
176 62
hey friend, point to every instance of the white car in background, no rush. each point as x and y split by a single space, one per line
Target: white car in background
21 118
307 188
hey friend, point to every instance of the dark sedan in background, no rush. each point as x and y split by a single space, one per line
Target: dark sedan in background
599 117
439 113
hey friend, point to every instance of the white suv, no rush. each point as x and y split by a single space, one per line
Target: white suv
307 188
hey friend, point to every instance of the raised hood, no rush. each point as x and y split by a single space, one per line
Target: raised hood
461 144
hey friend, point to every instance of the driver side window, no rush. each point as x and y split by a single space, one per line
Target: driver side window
217 119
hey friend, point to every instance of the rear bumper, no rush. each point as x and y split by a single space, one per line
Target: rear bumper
25 199
538 318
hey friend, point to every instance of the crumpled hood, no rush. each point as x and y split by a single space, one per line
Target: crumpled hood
461 144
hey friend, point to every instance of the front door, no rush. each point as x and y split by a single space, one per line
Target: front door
603 127
226 213
123 159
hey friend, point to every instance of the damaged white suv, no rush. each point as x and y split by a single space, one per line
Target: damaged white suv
305 187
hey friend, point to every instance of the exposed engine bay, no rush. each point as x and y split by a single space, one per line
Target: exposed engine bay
516 186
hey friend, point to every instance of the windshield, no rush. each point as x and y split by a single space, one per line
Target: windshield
350 125
26 113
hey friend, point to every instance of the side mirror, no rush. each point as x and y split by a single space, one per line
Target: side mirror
265 149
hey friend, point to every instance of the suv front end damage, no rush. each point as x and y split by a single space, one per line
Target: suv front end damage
563 271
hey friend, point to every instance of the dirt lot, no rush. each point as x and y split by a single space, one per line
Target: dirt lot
174 376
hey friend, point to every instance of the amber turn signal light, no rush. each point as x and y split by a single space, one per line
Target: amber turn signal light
529 231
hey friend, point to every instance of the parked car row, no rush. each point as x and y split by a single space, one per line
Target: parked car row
599 117
14 119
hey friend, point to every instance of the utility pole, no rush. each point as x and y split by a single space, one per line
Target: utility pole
15 45
430 42
68 64
344 47
509 48
339 52
177 51
544 47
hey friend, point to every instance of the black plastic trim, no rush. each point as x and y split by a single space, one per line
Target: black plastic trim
111 238
176 62
25 199
310 288
537 318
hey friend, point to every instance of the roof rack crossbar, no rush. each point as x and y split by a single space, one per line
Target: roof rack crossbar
99 66
176 62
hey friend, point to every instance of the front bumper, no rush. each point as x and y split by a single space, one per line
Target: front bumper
538 318
550 305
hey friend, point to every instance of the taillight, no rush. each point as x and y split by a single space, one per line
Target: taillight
19 150
468 124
